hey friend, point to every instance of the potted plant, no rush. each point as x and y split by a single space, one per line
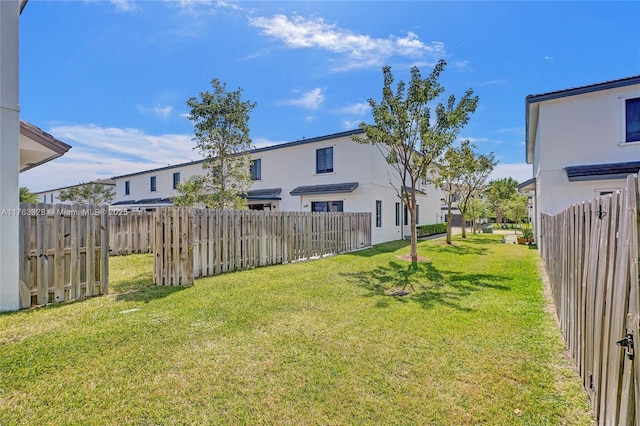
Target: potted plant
527 236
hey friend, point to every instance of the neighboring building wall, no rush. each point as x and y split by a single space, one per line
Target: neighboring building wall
581 129
291 165
52 196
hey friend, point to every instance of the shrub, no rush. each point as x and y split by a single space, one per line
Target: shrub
436 228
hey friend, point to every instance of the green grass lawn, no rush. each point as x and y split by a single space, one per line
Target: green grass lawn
309 343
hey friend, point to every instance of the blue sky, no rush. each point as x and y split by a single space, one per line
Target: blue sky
111 78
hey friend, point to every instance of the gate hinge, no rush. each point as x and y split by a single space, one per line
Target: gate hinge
627 342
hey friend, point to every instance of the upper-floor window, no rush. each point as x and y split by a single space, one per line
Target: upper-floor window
152 182
256 169
632 120
324 160
176 180
398 214
127 187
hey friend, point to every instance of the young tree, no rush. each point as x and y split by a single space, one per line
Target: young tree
447 176
221 133
194 192
407 134
498 192
474 176
26 196
477 208
515 209
91 193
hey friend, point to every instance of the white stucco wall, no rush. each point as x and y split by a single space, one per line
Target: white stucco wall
294 165
578 130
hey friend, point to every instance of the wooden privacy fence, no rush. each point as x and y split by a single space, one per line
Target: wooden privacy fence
591 254
130 232
191 243
64 252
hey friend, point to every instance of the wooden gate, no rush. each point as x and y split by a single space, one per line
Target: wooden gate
591 254
64 252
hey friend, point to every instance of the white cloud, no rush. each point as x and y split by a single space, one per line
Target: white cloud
158 110
125 5
309 100
498 82
519 171
351 124
357 51
358 109
474 140
103 152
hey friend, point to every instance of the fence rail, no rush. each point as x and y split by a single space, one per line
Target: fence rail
191 243
591 254
64 253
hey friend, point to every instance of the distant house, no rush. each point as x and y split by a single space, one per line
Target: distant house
582 142
38 147
323 174
52 196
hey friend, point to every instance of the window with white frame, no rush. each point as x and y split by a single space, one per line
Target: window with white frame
152 183
398 214
127 187
176 180
632 120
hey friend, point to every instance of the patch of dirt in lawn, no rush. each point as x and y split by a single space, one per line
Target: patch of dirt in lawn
407 257
398 292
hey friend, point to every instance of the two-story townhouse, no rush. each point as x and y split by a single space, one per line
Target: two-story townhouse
582 142
52 196
327 173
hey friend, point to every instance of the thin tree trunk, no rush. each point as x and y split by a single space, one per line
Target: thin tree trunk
414 236
464 225
449 219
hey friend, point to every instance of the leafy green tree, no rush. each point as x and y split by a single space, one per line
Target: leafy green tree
91 193
411 134
26 196
194 192
476 170
447 176
221 133
476 209
515 209
498 193
461 173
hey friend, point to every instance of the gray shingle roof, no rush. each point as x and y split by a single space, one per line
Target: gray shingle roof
333 188
602 171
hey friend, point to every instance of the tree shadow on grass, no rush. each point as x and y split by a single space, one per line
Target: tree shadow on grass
379 249
140 288
460 249
430 285
148 294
